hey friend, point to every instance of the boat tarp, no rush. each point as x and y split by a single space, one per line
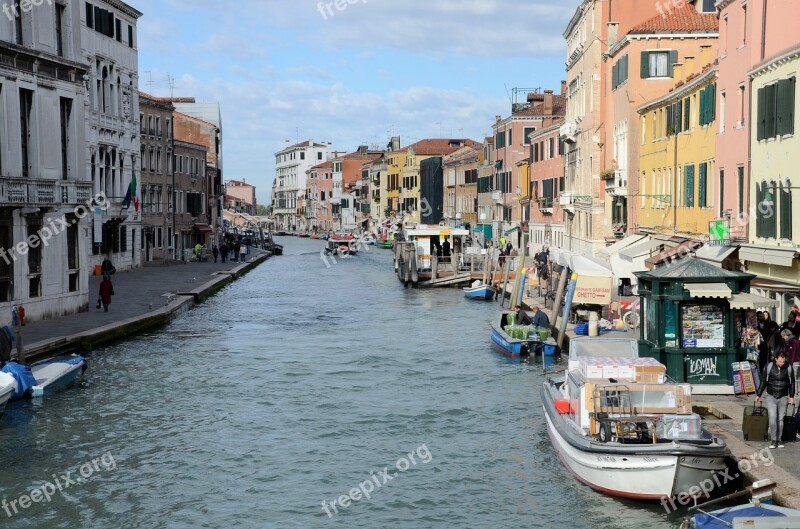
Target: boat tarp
22 374
72 360
724 519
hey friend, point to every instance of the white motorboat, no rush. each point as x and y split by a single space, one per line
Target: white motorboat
45 378
7 387
625 437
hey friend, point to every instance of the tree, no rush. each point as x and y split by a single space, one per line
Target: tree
263 211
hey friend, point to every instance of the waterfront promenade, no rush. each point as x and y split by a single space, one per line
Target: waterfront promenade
145 298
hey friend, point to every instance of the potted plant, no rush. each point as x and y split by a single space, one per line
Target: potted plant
607 174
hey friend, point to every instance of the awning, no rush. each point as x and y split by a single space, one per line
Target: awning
767 254
715 254
623 243
679 251
708 290
745 300
204 228
781 287
512 230
643 248
485 230
586 266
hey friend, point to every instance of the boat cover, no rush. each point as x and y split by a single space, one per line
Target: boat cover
724 519
72 360
22 374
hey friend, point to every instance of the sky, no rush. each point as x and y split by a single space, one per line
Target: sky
352 72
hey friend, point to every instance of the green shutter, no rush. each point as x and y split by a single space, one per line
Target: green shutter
759 214
713 108
762 117
670 128
702 111
615 76
673 58
771 107
701 185
678 113
772 216
687 113
785 106
688 182
786 213
644 67
624 76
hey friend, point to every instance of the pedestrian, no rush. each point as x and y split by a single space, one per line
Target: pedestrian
106 291
107 268
769 336
791 349
234 252
223 251
779 382
446 249
243 252
215 252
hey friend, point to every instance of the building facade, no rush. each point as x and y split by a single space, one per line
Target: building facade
461 181
109 46
291 165
155 129
244 194
546 217
43 177
192 223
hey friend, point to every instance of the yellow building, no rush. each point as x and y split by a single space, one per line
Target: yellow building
394 163
773 229
461 185
676 161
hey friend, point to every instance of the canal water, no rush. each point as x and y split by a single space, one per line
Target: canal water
288 389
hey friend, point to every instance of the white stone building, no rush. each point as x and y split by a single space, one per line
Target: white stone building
291 165
109 46
44 233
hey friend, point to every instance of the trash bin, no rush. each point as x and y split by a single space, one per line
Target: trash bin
97 270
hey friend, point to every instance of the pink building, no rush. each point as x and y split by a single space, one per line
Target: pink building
546 218
319 190
749 33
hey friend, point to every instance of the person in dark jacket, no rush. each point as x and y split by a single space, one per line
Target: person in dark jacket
768 328
791 349
107 268
779 383
540 319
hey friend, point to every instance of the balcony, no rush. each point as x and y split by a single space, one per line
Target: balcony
497 197
616 182
545 205
569 131
44 192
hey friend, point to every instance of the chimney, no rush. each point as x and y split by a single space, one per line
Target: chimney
678 69
498 119
688 68
706 57
548 103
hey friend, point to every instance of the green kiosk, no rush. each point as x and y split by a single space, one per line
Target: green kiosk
695 318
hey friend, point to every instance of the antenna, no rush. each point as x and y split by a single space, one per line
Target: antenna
149 82
171 83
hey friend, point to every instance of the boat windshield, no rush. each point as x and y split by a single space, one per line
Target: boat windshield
636 399
601 348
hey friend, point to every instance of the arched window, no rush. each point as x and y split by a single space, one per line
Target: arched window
105 95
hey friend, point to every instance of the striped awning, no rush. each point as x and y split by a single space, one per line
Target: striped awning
708 290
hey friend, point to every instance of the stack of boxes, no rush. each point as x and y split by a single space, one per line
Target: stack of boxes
645 370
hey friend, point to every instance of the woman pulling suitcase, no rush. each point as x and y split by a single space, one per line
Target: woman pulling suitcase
779 383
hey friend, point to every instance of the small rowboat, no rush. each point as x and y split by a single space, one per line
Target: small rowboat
45 378
386 245
480 293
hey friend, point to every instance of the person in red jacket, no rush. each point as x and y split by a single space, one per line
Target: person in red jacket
106 291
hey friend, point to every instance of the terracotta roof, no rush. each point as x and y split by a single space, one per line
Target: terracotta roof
684 19
167 99
370 155
559 108
440 146
324 165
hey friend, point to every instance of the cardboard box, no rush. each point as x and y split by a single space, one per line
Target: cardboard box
626 372
611 372
650 378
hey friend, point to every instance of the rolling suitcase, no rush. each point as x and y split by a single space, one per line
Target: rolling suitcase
789 426
755 423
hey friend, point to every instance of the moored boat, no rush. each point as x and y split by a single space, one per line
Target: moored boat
45 378
7 387
624 437
508 345
384 243
342 246
480 292
759 513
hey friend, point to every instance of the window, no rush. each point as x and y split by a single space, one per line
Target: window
20 37
89 15
510 137
744 25
708 102
158 126
319 156
766 219
722 104
687 106
60 29
118 27
73 252
500 140
34 260
702 184
786 212
688 186
123 239
740 182
619 72
658 63
708 6
25 108
302 155
130 36
721 193
776 109
66 112
527 131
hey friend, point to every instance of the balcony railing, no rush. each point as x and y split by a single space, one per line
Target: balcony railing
44 192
